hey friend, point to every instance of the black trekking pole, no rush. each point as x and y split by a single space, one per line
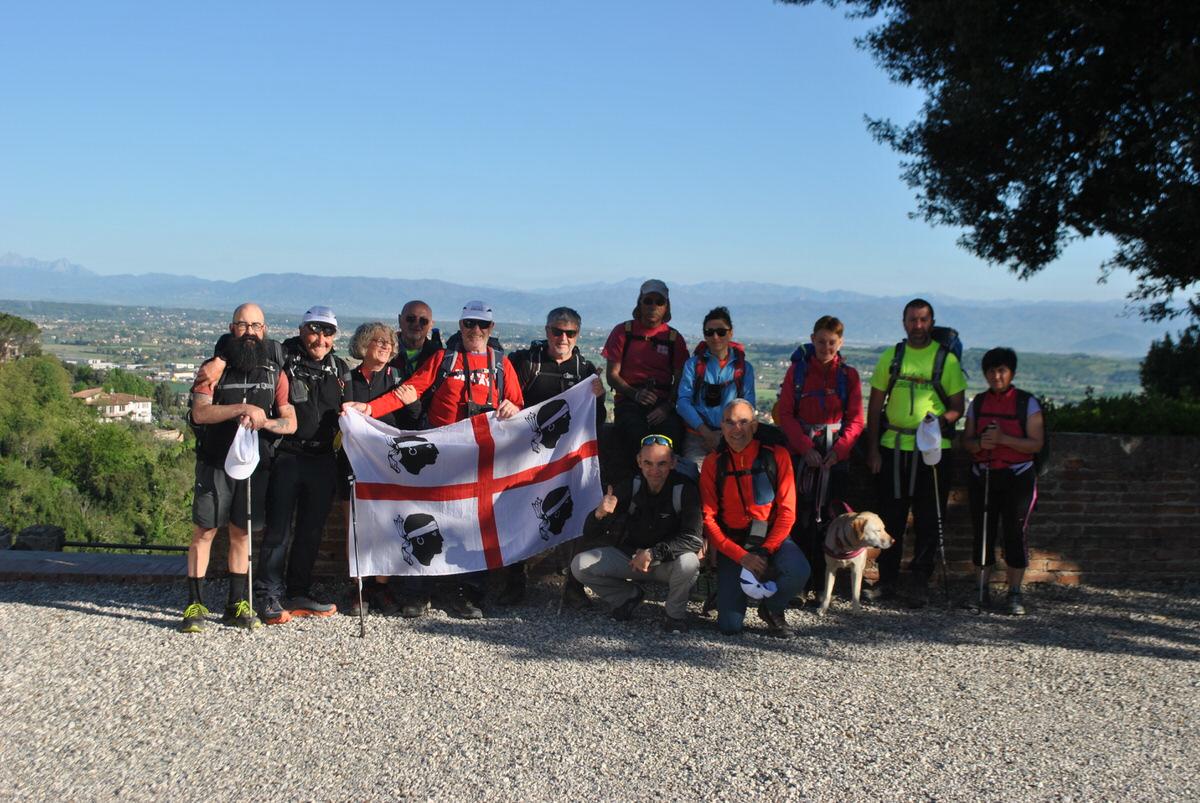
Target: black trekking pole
362 616
987 483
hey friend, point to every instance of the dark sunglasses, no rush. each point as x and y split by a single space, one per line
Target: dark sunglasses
655 301
719 331
556 332
321 328
471 323
660 440
415 318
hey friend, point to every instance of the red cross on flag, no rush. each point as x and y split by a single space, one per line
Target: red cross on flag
478 494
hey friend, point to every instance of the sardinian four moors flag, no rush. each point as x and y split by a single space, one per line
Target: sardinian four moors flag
477 494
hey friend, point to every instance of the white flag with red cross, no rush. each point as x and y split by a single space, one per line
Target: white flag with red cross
478 494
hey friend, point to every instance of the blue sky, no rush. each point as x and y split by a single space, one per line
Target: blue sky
503 143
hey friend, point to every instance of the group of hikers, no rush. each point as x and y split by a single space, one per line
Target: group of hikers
692 478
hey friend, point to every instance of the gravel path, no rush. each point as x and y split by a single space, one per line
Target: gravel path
1094 695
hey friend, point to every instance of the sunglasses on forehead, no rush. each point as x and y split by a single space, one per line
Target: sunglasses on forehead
556 332
659 440
471 323
415 318
321 328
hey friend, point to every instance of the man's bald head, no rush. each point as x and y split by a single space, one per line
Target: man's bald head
249 313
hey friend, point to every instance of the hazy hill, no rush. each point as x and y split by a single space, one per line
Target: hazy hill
761 311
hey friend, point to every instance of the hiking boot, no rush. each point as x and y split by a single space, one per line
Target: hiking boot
513 592
193 618
352 608
880 591
777 625
273 612
574 596
413 607
673 625
307 606
624 611
461 606
1013 605
240 614
382 601
976 605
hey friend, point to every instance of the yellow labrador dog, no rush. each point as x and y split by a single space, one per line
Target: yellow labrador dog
846 542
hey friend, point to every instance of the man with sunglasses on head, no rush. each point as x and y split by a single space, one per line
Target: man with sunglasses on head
471 375
547 368
652 523
645 360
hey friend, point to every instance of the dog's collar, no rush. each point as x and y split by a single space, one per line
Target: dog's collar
844 555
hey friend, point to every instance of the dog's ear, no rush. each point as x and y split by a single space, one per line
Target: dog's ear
859 523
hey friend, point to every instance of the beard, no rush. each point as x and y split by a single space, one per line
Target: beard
245 353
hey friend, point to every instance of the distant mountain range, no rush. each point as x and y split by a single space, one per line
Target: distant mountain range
761 311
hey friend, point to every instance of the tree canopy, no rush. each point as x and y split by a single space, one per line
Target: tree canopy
21 333
1053 120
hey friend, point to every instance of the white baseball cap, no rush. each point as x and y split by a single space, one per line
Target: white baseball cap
477 311
319 314
242 458
754 589
929 439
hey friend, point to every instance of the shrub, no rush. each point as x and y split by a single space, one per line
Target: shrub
1127 414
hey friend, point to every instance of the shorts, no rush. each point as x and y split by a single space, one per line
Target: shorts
218 497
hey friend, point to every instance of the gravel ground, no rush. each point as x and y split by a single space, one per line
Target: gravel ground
1094 695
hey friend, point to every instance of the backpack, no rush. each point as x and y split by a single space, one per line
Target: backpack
800 358
739 369
495 354
676 496
1042 456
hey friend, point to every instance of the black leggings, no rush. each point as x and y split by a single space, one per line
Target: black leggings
1010 501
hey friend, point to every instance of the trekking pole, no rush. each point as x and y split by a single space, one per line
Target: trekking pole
362 616
987 483
937 503
249 545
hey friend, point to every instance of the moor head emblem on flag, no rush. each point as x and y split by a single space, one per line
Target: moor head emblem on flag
554 511
422 538
549 424
413 453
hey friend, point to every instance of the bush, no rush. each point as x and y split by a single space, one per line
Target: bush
1128 414
1172 369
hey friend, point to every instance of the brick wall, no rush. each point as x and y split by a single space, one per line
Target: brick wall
1112 510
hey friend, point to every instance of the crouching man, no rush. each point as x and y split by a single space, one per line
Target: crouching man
749 501
653 524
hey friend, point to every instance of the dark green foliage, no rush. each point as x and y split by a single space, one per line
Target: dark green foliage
1128 414
121 381
1049 121
21 333
1172 369
103 481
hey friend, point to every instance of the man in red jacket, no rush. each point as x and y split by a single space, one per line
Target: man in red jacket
471 375
748 498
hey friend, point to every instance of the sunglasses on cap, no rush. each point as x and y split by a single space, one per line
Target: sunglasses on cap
471 323
719 331
556 332
654 301
321 328
416 318
657 440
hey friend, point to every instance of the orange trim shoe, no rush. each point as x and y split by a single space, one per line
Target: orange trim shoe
306 606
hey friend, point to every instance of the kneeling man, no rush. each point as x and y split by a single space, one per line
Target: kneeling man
749 499
653 524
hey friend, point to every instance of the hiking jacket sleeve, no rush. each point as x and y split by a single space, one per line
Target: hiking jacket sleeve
797 439
684 404
690 535
421 379
853 420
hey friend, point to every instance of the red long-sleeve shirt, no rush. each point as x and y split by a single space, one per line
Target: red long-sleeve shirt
821 381
781 513
448 403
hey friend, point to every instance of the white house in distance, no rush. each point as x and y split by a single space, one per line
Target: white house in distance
117 405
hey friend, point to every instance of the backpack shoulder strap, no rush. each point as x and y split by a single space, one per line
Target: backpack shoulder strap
939 365
1022 410
894 370
677 498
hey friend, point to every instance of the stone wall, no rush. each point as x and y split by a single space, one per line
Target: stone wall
1112 510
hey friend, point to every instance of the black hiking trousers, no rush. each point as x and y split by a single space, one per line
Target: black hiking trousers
894 511
302 486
